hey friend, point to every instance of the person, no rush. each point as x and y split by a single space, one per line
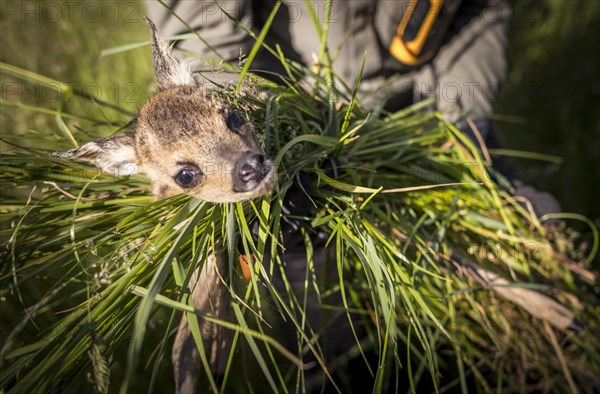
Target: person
463 77
462 71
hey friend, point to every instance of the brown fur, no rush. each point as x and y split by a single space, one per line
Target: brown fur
179 126
186 126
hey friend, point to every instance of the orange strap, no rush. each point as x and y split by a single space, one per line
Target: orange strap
409 52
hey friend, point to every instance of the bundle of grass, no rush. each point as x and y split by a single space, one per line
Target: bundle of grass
444 279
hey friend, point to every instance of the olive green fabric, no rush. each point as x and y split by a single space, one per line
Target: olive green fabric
463 77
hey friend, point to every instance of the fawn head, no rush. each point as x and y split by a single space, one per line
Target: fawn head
185 140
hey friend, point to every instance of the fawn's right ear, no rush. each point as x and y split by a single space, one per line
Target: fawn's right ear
170 70
115 155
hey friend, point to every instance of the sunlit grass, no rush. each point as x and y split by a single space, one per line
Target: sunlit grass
92 267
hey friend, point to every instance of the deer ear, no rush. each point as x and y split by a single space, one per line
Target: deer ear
114 155
170 70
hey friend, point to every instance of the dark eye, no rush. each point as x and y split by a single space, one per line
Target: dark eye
235 121
188 177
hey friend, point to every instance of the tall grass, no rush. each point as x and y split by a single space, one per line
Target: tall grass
93 267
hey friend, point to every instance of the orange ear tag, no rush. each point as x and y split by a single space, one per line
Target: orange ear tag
244 263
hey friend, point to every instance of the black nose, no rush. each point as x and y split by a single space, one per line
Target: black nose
253 169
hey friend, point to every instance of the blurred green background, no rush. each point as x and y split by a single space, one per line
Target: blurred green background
553 88
63 40
550 103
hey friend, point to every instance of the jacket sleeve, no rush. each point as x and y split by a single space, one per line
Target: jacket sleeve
218 37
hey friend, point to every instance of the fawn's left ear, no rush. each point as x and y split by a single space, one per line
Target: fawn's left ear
170 70
114 155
